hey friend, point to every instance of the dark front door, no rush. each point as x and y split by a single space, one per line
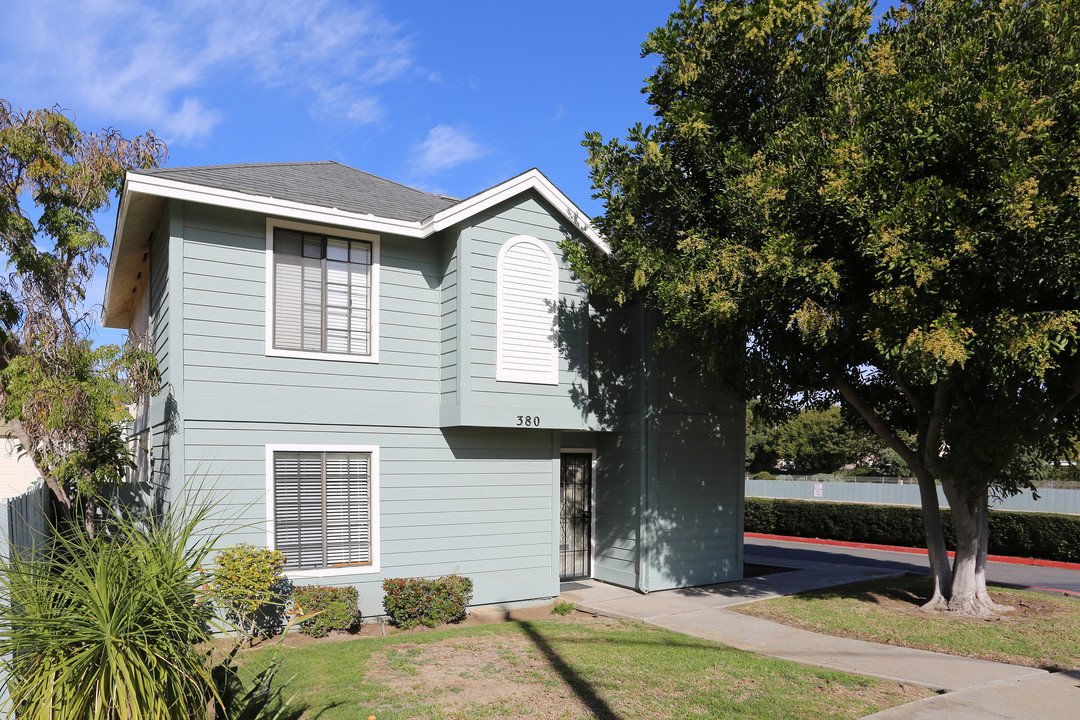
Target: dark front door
575 538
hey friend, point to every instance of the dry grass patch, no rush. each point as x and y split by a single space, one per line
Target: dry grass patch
565 669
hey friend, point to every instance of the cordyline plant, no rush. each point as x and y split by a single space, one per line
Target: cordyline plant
119 626
886 219
67 402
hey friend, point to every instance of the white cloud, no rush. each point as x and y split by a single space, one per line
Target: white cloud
444 148
160 63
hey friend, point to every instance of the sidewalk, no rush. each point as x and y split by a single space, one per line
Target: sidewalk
974 688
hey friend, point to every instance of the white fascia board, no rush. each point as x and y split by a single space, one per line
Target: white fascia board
161 187
114 252
531 180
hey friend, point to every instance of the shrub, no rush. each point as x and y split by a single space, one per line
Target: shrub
1064 473
413 601
563 608
764 475
245 582
336 608
1046 536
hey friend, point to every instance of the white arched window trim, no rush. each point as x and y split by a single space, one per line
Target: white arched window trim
526 339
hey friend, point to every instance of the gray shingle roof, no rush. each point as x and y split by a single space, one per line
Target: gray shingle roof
326 184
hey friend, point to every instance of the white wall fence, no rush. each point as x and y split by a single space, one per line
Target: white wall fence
1051 500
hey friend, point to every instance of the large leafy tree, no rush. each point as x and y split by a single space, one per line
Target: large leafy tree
889 219
67 401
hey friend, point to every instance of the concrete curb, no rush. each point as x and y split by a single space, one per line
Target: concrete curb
1060 565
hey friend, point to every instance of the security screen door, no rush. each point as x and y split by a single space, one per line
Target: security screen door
576 515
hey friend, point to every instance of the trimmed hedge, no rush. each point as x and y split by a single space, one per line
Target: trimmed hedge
1045 536
412 601
336 607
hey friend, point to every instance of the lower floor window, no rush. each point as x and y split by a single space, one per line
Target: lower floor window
323 508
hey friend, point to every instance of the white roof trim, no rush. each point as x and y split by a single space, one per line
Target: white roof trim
152 185
531 180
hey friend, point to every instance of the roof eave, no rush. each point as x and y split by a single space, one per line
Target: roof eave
117 313
267 205
529 180
137 216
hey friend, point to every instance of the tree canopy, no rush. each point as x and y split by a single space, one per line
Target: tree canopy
66 400
889 219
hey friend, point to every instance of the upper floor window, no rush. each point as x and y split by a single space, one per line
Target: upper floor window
527 312
323 288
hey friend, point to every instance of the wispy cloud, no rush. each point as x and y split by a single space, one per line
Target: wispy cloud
444 148
159 63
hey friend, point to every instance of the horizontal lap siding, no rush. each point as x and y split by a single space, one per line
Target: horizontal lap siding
525 216
618 493
477 502
448 324
159 301
228 375
695 534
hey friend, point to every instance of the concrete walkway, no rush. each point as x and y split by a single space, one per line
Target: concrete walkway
973 688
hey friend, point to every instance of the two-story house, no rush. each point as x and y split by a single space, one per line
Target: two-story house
385 382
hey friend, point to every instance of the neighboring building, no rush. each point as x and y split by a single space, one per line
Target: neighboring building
384 382
17 473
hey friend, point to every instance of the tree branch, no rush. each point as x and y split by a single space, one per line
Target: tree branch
879 426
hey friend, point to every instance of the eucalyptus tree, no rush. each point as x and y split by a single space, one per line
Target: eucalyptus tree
66 400
885 218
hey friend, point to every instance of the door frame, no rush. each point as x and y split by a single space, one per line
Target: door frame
592 501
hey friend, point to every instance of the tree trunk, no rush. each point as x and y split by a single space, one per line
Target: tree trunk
89 513
983 520
935 541
63 500
969 510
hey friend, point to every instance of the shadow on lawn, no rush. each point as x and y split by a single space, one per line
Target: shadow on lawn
907 590
581 687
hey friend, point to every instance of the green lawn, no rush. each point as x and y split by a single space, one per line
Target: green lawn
574 667
1044 630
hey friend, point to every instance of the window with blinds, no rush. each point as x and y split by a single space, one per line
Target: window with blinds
322 293
322 509
527 313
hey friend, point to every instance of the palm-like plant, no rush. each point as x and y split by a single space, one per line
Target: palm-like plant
107 628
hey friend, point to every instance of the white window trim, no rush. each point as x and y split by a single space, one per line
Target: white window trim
271 351
373 450
592 499
501 373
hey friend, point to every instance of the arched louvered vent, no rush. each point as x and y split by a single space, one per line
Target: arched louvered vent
527 313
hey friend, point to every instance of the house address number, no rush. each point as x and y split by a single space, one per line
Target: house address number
528 420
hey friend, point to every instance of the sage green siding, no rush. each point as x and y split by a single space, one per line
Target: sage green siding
230 377
481 399
462 488
478 502
619 402
695 463
450 337
463 500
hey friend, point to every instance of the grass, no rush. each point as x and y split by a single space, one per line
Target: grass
1043 631
574 667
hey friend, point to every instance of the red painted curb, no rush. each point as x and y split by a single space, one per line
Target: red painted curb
917 551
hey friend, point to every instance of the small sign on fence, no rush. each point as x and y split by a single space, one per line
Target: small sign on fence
819 489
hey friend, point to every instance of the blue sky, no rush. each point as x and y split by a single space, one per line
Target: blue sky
450 97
